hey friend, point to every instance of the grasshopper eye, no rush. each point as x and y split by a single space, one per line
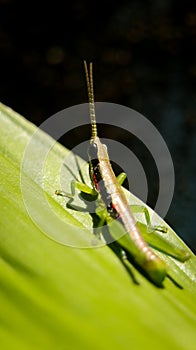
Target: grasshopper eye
92 151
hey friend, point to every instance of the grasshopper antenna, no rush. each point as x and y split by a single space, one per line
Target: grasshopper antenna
89 82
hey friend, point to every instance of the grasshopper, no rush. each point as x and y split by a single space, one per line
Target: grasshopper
113 209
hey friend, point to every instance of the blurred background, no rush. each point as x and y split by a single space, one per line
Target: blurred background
143 54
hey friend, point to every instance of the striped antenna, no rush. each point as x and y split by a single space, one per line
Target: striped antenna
89 82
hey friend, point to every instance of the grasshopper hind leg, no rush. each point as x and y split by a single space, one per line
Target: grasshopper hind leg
143 210
122 255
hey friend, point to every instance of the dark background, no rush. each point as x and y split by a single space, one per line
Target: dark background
143 53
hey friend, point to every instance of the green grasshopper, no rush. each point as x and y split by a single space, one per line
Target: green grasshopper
113 210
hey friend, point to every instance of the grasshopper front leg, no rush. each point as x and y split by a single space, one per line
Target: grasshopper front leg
80 186
90 193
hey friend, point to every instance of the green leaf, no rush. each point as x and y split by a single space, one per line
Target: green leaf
57 296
